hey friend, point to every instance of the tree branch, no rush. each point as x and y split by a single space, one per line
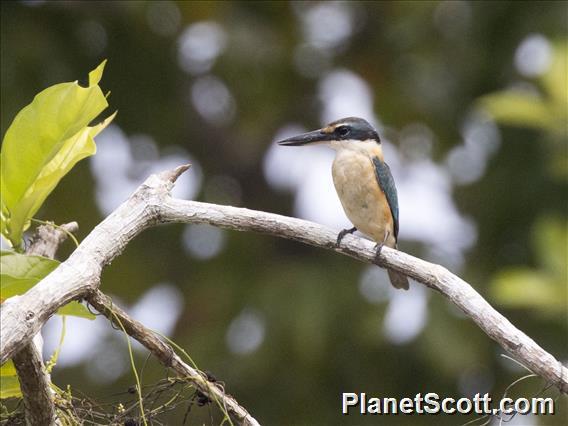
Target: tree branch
169 358
34 380
47 239
39 408
151 204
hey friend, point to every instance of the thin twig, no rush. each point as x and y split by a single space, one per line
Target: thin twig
166 355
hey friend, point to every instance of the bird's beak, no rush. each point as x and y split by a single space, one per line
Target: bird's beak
316 136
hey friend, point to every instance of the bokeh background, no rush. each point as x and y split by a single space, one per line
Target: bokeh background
470 100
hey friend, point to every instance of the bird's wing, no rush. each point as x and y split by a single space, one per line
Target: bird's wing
386 182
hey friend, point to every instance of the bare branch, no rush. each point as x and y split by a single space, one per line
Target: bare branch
47 239
169 358
34 380
39 408
151 204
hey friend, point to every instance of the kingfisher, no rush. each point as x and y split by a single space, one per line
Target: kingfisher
363 182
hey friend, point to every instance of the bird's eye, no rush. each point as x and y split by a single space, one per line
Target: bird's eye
343 131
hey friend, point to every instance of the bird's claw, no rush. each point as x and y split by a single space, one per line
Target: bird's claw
378 248
342 234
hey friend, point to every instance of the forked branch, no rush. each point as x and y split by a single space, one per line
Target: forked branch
151 204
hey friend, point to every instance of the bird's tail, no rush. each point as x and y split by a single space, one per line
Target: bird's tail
398 280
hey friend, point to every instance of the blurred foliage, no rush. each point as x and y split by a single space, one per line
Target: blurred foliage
543 289
546 112
431 63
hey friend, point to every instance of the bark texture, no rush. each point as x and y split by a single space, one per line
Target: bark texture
34 381
151 204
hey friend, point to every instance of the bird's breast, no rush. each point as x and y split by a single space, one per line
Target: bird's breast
362 199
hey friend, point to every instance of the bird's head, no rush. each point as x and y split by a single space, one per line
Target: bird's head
351 133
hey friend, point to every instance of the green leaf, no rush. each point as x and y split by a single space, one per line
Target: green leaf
9 384
76 309
10 387
543 288
8 369
42 144
519 109
73 150
528 288
549 235
96 75
554 80
21 272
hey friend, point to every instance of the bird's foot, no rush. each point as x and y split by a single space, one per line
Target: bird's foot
379 247
343 234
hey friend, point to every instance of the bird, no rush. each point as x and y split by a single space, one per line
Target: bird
363 182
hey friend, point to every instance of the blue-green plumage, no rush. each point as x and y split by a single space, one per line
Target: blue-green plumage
386 182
